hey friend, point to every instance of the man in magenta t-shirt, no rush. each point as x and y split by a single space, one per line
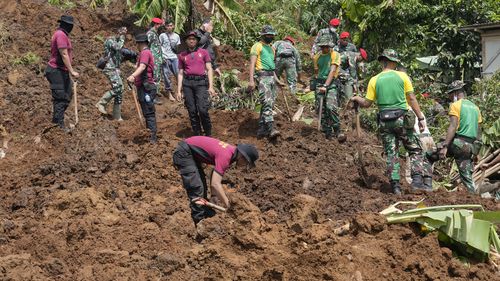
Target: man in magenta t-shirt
145 84
195 80
59 68
192 152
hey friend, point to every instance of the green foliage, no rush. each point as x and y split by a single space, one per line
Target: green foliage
98 3
27 59
63 4
232 95
4 34
99 38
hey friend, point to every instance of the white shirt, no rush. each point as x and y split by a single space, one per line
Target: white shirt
166 41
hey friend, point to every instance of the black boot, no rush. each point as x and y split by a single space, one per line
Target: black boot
428 183
396 187
273 133
328 135
417 182
263 131
153 139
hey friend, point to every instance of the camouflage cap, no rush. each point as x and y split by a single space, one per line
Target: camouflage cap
324 41
454 86
389 54
267 30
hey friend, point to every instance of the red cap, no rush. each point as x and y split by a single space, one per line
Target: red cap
157 20
426 94
344 34
363 53
335 22
289 38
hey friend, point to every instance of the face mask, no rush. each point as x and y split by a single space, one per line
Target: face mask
268 40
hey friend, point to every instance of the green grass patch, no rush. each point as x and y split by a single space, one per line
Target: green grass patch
27 59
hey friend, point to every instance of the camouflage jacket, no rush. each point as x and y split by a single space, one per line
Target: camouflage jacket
112 48
348 66
285 49
155 46
332 35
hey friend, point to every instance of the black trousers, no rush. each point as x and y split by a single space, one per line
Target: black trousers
197 104
193 180
61 88
148 108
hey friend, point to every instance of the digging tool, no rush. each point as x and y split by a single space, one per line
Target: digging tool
75 100
204 202
287 107
137 107
320 112
359 159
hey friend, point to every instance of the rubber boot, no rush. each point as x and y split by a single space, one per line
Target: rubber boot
428 183
396 187
263 131
417 182
103 102
117 112
153 139
273 133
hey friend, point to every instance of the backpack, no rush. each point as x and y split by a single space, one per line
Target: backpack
285 49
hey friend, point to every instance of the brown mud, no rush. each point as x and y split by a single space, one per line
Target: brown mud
101 203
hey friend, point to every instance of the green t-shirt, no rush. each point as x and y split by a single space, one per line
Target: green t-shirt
469 117
389 90
265 56
323 62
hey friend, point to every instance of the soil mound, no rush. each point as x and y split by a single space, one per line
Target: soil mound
101 203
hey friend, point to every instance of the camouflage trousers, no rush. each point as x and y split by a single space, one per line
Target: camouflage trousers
288 65
330 119
267 96
401 130
461 151
346 91
116 84
157 70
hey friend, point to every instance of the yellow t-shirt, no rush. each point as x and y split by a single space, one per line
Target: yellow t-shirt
469 117
323 62
265 56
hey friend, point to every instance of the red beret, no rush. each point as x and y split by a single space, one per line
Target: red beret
289 38
157 20
335 22
363 53
344 34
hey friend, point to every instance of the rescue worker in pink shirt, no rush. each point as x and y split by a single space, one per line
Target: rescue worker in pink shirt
188 158
59 68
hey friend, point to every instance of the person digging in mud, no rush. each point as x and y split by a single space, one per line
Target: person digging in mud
262 65
463 138
326 66
112 48
188 158
195 83
392 91
145 84
59 68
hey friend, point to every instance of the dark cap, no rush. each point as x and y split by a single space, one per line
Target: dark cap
66 19
192 33
249 152
141 38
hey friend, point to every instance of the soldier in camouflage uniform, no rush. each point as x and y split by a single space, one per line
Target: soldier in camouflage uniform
326 66
392 91
155 47
330 33
112 48
348 71
288 60
464 133
262 69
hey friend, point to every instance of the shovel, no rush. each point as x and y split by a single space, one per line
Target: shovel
359 159
204 202
320 112
75 101
137 107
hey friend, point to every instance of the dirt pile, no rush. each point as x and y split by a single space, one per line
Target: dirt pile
101 203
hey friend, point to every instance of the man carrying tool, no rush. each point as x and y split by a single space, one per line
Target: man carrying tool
195 81
463 138
262 68
206 42
326 66
112 48
155 48
288 60
59 68
170 42
330 33
188 158
392 91
143 78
